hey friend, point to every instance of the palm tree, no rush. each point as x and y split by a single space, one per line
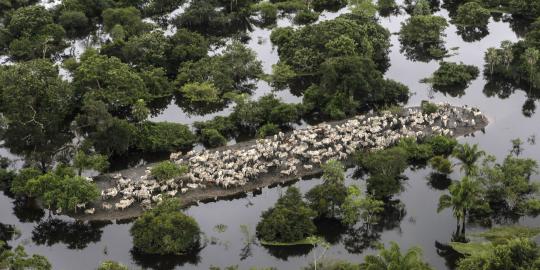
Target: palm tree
463 196
468 156
392 259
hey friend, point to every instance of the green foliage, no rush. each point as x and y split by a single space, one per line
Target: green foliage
509 183
281 75
384 168
468 156
111 265
224 125
416 153
421 37
267 129
204 92
165 230
472 14
38 106
75 22
441 145
268 109
18 259
452 76
428 107
234 69
360 207
164 137
167 170
83 161
327 198
128 18
463 196
392 258
290 219
109 80
212 138
305 16
59 189
21 179
31 33
441 164
518 254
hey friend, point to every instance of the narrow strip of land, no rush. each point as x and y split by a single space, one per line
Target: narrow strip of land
234 170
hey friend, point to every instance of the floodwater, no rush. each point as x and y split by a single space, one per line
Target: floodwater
69 245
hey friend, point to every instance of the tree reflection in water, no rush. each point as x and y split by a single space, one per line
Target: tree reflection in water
164 262
74 234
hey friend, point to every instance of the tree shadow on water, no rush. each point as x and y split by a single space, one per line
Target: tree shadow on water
74 234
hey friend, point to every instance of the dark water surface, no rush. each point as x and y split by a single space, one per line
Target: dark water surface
70 245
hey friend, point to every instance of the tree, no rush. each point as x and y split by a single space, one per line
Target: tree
128 18
83 161
358 206
289 221
326 199
18 259
385 168
492 58
472 14
165 230
167 170
61 189
38 105
421 37
468 156
110 265
75 22
107 79
32 34
464 195
212 138
531 57
452 78
155 137
392 258
441 164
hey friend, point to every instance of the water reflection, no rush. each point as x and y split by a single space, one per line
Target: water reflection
74 234
162 262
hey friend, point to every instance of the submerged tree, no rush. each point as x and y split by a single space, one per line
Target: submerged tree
421 37
166 230
468 156
326 199
289 221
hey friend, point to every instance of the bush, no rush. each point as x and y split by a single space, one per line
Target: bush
441 145
441 164
305 16
453 75
200 92
428 107
224 125
212 138
417 153
110 265
290 220
167 170
165 230
164 137
267 130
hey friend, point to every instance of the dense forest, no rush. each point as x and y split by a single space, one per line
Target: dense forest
83 84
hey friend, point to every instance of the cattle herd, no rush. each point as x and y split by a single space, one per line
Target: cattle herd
287 155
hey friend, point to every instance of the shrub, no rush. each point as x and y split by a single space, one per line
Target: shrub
441 145
167 170
453 75
428 107
267 130
224 125
165 230
110 265
290 220
441 164
305 16
164 137
417 153
200 92
212 138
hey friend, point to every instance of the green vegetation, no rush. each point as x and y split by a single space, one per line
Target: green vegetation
18 259
452 78
58 189
327 198
167 170
392 258
110 265
165 230
289 221
421 37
